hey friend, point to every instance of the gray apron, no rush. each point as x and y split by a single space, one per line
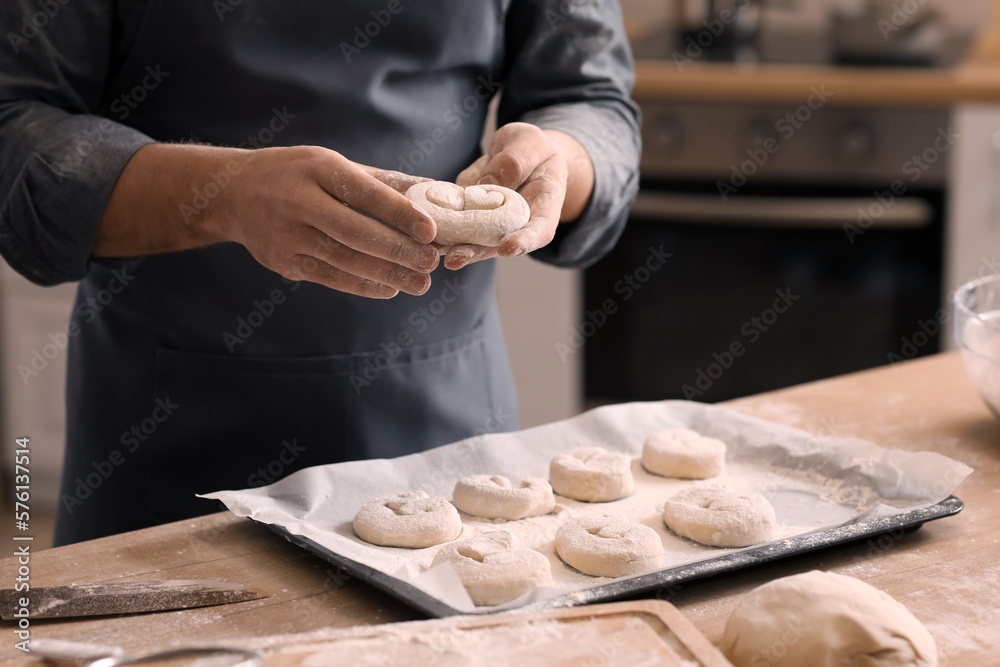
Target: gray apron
203 370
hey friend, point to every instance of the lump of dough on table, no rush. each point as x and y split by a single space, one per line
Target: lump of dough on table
494 497
592 474
720 517
680 452
608 545
479 214
411 519
821 618
493 569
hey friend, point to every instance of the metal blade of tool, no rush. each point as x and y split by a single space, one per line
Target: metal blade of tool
123 598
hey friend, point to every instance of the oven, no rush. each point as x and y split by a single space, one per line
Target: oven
769 246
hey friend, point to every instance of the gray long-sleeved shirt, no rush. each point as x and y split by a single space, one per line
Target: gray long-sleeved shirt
66 132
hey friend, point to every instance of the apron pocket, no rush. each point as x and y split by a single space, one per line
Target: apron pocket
238 422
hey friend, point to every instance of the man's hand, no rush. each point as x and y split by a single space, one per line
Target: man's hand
304 212
550 169
316 216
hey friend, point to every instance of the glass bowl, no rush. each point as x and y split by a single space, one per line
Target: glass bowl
976 309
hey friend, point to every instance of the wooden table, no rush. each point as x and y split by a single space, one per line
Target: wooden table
947 573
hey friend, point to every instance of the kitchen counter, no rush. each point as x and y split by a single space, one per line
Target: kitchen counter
947 572
977 80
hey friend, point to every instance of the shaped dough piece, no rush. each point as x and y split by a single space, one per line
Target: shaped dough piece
478 214
493 497
608 545
493 569
680 452
408 520
821 618
719 517
592 474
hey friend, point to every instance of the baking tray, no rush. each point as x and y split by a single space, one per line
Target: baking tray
729 561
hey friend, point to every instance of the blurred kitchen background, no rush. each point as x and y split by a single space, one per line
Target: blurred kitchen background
821 173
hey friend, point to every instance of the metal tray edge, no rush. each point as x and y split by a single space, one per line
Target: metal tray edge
661 579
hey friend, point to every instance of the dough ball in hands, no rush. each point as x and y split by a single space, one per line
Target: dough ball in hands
821 618
494 497
493 569
608 545
680 452
411 519
478 215
719 517
592 474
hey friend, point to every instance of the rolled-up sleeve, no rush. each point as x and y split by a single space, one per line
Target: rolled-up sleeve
59 160
570 69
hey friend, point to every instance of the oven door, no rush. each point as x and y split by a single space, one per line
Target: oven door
765 290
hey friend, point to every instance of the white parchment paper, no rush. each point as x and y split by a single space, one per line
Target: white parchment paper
813 482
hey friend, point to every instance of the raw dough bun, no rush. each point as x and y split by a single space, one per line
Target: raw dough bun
492 568
608 545
680 452
493 497
408 520
478 214
825 619
592 474
720 517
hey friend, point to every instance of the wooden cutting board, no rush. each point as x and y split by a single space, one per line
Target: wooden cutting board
627 634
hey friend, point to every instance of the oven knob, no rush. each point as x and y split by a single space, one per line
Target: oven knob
763 134
671 134
855 142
